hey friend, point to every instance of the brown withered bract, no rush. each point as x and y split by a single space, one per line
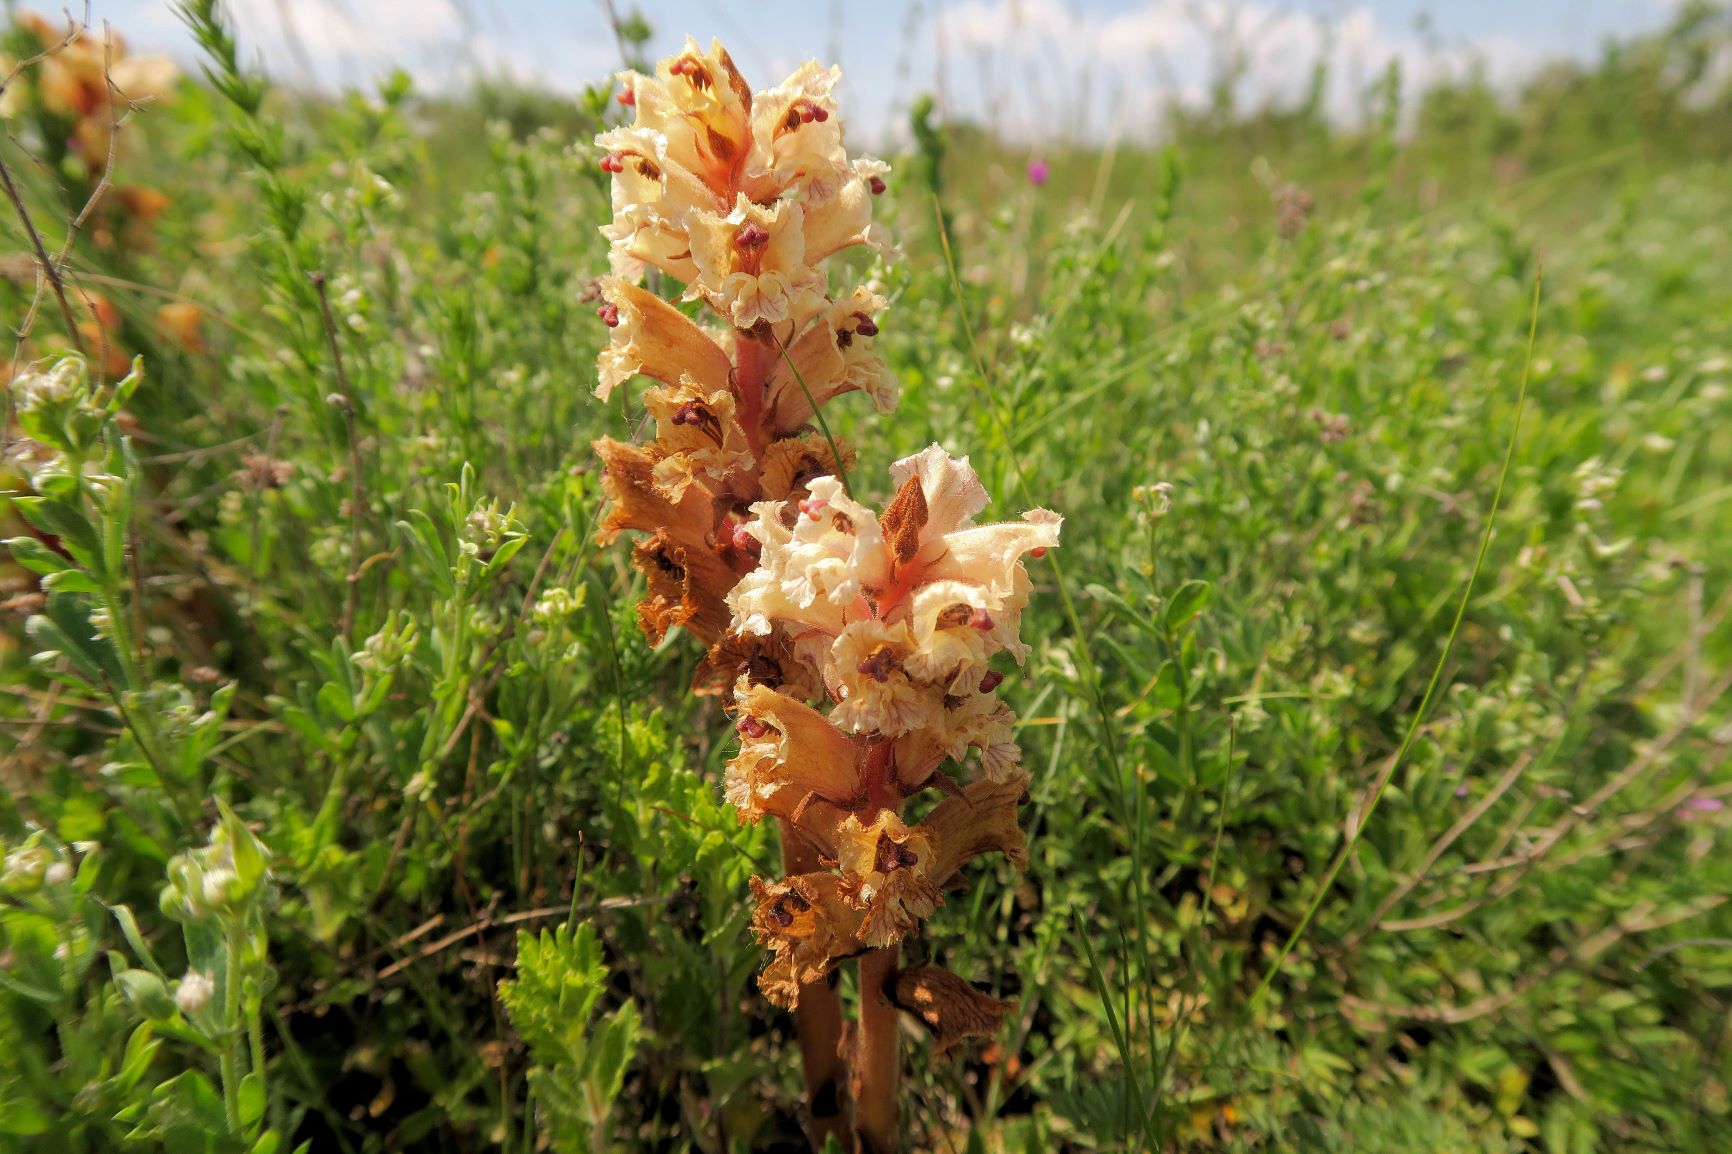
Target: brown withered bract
948 1006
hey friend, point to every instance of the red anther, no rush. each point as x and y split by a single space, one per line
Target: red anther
814 507
1037 552
691 70
980 619
877 185
751 235
991 680
819 114
612 163
751 727
866 326
609 315
628 98
743 540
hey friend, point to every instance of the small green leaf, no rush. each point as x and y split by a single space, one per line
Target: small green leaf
1187 602
336 702
146 993
62 520
34 555
252 1099
141 1047
70 581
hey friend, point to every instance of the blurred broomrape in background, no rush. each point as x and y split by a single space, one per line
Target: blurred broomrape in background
756 547
73 90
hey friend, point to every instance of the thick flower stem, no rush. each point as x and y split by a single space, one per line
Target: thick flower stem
753 363
877 1058
818 1022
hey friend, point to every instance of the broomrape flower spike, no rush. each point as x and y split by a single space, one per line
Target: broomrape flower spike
858 644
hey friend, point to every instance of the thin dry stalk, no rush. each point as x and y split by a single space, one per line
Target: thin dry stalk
48 267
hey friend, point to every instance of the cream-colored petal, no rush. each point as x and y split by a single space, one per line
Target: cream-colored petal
844 219
867 675
656 340
989 555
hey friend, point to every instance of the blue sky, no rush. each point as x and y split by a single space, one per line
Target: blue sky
1033 68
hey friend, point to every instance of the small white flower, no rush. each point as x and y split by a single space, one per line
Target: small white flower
57 874
216 886
194 992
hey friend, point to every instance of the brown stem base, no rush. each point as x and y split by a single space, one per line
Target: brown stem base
818 1024
878 1058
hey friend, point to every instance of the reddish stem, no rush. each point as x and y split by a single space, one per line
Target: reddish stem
878 777
754 359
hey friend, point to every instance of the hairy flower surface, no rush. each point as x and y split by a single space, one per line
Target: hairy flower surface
889 876
790 754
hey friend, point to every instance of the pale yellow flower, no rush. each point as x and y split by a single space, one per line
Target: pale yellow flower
790 756
739 197
701 107
899 614
752 266
887 871
836 354
866 674
698 437
797 138
651 197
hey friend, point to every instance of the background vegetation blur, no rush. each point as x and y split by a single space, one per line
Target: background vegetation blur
346 806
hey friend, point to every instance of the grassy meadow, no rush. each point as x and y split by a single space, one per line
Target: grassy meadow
1378 705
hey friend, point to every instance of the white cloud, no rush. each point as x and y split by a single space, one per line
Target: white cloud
1041 68
442 44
